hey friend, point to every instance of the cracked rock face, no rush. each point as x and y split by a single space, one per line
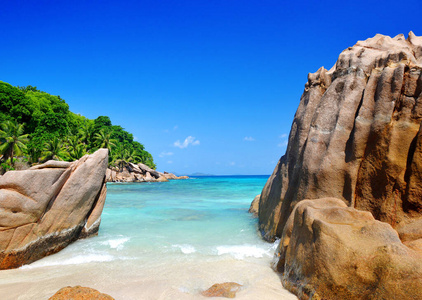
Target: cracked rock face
47 207
356 136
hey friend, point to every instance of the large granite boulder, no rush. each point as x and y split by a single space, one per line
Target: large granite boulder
45 208
356 136
355 154
331 251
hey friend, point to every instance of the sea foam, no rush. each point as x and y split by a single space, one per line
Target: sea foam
75 260
186 249
243 251
116 243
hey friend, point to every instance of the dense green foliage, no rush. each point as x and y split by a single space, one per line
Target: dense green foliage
12 140
45 128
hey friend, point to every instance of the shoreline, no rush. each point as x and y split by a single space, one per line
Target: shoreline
157 242
174 280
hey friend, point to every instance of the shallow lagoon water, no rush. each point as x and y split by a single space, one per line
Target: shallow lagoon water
163 241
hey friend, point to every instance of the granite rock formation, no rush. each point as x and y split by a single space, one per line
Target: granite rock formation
331 251
356 136
345 199
254 208
47 207
138 173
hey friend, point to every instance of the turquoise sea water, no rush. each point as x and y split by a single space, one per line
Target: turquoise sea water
204 215
165 240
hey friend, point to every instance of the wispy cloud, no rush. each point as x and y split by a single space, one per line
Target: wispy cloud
169 162
282 144
164 153
232 163
190 140
248 139
175 127
284 140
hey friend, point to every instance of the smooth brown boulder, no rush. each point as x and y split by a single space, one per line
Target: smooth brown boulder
47 207
79 293
356 136
253 209
170 175
162 179
226 289
331 251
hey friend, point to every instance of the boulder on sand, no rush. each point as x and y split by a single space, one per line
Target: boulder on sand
226 289
356 137
79 293
47 207
331 251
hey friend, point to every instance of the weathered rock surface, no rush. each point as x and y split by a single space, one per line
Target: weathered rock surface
47 207
331 251
139 173
355 154
79 293
356 136
226 289
253 209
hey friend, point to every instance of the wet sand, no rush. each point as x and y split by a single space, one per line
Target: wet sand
132 279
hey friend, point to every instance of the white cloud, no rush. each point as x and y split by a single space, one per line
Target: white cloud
169 162
283 144
190 140
135 138
232 163
248 139
175 127
162 154
284 140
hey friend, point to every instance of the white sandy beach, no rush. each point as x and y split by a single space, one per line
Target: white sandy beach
134 279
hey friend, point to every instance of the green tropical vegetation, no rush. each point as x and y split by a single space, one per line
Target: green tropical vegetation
36 126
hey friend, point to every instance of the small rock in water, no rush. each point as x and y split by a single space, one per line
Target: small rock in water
254 209
79 293
226 289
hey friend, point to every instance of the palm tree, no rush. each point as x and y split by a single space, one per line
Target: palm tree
33 154
104 140
124 156
86 133
54 149
12 140
77 152
72 142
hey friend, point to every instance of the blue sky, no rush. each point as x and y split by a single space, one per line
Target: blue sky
206 86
